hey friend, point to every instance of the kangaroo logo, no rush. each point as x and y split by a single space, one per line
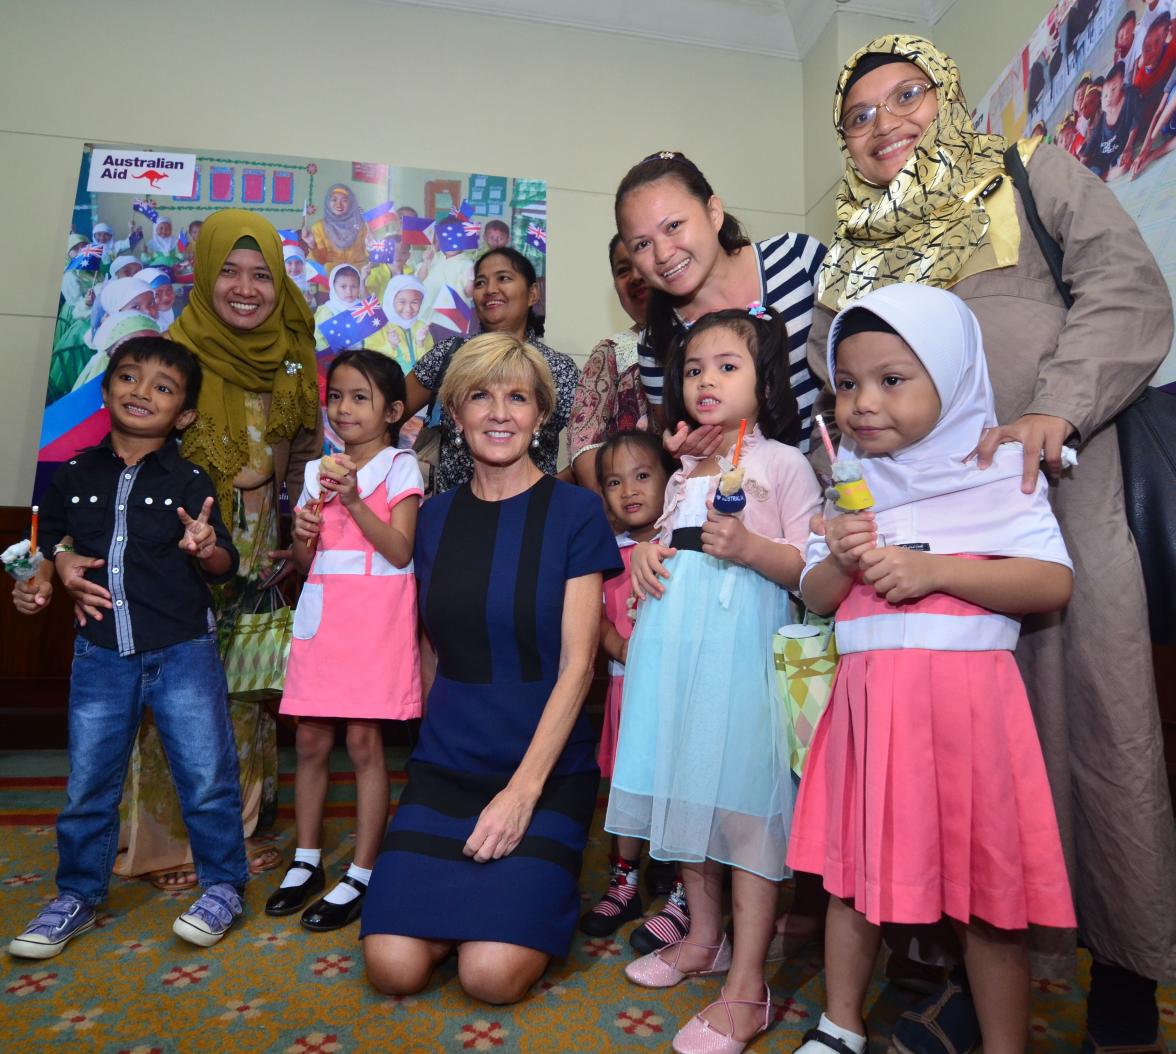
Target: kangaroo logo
152 177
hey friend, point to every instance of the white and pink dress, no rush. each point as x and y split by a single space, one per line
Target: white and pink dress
617 591
354 652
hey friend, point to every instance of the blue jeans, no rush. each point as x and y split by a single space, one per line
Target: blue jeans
184 685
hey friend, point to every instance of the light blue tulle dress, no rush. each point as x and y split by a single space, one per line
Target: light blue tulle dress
702 768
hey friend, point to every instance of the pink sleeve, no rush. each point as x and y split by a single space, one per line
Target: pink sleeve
404 478
799 496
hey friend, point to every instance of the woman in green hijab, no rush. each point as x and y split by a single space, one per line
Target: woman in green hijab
258 425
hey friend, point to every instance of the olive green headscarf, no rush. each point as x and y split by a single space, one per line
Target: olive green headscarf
276 357
925 225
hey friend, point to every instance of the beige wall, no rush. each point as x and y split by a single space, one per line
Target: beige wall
571 106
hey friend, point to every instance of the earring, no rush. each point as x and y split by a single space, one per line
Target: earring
457 438
535 441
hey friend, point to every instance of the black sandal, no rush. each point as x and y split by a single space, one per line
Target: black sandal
817 1035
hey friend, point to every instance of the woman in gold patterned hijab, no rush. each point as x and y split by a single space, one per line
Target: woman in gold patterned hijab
909 208
926 198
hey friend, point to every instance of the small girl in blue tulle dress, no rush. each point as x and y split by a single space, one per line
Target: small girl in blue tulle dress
702 768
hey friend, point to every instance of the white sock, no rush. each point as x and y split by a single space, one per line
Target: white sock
850 1039
344 893
299 875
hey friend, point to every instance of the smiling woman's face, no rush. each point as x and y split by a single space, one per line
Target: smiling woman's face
887 145
244 293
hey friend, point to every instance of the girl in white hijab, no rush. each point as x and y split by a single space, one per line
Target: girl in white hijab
925 793
346 286
406 337
163 239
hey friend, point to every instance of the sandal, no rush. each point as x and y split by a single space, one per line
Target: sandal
172 879
1091 1046
827 1039
699 1036
652 971
943 1023
262 857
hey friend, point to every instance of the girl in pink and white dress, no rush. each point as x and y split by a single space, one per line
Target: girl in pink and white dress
925 793
354 655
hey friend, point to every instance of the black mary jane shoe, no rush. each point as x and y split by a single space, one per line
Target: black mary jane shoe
322 915
286 901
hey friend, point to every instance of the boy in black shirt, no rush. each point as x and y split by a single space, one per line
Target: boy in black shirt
146 637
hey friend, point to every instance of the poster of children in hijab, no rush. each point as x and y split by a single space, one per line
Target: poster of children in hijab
1098 79
383 254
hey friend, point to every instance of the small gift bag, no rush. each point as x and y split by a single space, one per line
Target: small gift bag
806 658
255 659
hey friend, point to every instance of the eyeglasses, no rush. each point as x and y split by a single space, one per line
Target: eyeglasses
903 99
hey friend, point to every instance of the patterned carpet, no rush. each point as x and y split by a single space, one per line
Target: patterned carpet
130 987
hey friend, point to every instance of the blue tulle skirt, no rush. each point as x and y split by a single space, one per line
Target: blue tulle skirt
703 757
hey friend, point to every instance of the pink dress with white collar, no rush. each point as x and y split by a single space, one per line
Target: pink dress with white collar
354 652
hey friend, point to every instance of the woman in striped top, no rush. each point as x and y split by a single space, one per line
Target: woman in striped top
696 258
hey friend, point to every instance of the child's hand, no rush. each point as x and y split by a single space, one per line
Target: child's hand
32 595
699 442
899 574
849 538
346 486
647 566
724 537
88 299
89 598
307 525
199 538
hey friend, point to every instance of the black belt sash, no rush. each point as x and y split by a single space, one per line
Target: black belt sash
689 538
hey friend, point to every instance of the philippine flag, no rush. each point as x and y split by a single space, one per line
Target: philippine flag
415 230
318 274
451 312
381 216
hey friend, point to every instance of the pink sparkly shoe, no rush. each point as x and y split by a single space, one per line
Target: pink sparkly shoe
698 1036
652 971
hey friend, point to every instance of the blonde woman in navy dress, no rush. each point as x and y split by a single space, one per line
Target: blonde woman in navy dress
484 852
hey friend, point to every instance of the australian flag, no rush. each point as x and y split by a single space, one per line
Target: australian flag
146 208
352 326
87 258
382 215
415 229
451 312
464 211
454 238
383 252
537 237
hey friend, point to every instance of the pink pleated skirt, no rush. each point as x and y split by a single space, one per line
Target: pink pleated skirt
925 794
610 728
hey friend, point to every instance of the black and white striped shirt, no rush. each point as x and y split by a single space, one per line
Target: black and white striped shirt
788 266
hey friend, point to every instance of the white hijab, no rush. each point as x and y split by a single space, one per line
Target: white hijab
336 304
292 252
926 493
159 245
119 292
398 284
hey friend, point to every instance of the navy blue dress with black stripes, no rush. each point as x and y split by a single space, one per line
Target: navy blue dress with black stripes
492 578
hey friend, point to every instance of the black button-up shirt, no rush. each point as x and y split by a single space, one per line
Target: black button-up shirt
126 515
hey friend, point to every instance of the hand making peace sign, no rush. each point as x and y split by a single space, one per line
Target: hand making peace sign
199 538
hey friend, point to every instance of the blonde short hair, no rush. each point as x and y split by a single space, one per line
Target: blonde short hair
497 358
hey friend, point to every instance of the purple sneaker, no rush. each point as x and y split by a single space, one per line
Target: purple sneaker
54 927
210 918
